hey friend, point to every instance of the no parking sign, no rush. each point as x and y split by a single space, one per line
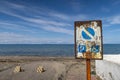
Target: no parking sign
88 39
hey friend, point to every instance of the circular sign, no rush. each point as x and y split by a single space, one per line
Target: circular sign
88 33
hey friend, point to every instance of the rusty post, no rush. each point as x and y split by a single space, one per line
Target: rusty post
88 69
88 65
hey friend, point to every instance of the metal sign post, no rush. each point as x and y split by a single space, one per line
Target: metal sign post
88 42
88 65
88 69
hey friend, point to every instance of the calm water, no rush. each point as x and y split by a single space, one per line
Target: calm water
49 49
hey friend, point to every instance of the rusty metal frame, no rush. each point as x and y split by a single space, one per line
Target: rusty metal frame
83 22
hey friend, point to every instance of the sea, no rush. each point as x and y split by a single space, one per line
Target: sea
52 50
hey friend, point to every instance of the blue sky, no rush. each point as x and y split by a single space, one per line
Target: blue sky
52 21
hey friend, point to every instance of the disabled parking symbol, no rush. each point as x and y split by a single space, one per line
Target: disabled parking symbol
95 49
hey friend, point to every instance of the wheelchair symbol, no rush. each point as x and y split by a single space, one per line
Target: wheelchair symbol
95 49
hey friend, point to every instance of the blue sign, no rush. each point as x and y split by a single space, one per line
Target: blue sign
81 48
88 33
95 49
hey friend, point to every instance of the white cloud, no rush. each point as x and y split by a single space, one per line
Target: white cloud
15 27
113 19
39 18
80 17
53 25
110 21
44 14
36 20
47 22
111 40
58 29
116 2
13 5
115 30
59 15
13 38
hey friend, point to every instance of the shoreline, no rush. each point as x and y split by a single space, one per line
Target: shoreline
34 58
56 68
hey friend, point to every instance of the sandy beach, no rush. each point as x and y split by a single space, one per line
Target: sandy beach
56 68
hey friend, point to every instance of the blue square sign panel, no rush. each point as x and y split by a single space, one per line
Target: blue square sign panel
81 48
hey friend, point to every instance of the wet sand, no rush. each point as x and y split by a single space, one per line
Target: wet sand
56 68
